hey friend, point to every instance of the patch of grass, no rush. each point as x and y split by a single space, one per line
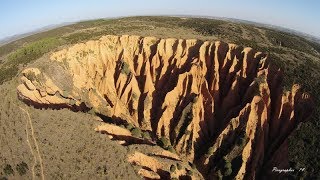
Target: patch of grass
33 51
26 54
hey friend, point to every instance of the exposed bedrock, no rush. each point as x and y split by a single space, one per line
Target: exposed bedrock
215 102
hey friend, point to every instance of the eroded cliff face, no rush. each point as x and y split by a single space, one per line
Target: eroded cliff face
214 102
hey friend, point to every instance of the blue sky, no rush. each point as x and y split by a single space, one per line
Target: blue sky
20 16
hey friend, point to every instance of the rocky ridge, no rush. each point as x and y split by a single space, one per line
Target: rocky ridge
214 103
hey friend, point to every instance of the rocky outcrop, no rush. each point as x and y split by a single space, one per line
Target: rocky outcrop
215 103
155 168
123 135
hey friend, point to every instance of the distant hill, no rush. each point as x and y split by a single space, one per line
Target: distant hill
278 28
9 39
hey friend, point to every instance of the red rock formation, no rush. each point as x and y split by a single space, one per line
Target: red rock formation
199 95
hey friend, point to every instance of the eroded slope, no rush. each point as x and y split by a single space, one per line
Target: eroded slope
215 103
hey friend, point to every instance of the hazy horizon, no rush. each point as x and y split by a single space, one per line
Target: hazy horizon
19 17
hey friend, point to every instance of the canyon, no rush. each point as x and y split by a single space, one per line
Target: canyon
212 105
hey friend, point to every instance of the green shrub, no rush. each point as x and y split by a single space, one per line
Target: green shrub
171 149
219 174
210 151
134 96
195 99
129 126
33 50
22 168
136 132
190 172
8 170
227 170
172 168
164 142
179 166
125 68
146 135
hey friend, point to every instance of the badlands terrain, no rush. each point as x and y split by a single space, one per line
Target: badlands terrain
159 97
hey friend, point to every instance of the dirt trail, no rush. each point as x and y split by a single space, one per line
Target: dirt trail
35 143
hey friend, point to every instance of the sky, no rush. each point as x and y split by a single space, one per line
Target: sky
22 16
